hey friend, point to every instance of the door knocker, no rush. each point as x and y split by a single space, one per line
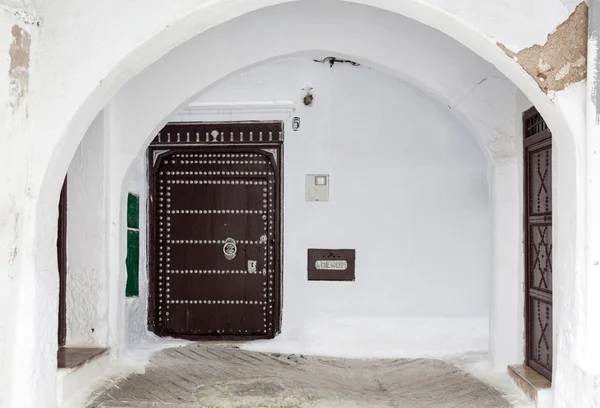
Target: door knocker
230 249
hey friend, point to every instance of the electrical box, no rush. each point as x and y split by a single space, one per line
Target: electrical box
317 187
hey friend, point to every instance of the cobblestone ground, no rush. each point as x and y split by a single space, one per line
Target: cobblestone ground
205 375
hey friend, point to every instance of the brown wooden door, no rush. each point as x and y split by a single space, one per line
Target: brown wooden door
216 241
538 242
61 246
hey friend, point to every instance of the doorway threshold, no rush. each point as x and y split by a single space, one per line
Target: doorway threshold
536 386
74 357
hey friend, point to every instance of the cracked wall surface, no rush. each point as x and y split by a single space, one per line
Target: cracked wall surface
562 60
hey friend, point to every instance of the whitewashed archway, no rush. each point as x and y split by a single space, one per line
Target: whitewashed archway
39 261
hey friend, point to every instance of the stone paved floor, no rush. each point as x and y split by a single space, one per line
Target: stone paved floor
223 376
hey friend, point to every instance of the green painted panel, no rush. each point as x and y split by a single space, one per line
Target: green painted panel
133 263
133 211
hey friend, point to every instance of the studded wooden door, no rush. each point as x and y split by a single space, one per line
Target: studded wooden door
538 242
216 233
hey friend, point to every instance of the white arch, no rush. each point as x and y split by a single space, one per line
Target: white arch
215 13
40 228
438 64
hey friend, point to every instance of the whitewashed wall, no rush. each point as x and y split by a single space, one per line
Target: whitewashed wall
87 275
471 89
409 192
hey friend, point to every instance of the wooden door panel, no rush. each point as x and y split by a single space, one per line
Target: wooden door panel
540 357
211 256
540 257
217 286
226 319
540 171
208 254
220 226
538 242
216 241
246 193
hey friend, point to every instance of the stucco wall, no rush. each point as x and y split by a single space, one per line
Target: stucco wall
507 303
19 293
473 91
472 88
407 181
521 25
87 275
13 122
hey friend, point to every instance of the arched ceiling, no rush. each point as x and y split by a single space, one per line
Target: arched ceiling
477 93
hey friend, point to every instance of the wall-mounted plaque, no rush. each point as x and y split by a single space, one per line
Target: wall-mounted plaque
331 264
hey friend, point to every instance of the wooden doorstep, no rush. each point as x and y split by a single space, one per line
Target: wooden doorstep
530 381
73 357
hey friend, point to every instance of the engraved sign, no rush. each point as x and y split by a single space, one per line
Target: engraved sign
331 265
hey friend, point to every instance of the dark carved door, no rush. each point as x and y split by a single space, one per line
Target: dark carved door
538 242
216 240
61 246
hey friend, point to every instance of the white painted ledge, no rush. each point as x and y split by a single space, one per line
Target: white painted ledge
545 398
238 111
74 386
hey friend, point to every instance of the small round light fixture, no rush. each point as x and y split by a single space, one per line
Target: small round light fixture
308 97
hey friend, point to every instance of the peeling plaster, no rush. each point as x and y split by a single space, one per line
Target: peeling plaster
593 63
562 60
18 70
